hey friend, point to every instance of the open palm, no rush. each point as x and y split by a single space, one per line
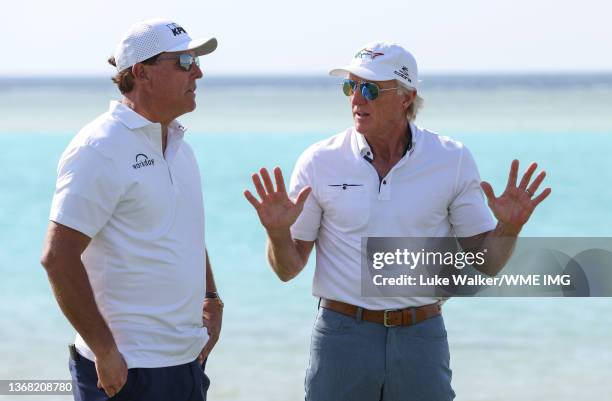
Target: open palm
514 207
276 210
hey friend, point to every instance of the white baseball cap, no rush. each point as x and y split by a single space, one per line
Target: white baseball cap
146 39
382 61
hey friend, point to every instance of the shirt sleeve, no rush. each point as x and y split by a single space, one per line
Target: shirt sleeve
469 214
306 227
87 190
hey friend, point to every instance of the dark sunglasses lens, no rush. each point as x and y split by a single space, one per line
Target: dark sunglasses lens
348 87
369 90
186 60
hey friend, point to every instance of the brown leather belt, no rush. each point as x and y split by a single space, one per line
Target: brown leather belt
390 317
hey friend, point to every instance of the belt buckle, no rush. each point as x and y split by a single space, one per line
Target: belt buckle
386 318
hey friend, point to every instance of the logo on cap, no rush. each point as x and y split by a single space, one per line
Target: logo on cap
176 30
404 72
364 53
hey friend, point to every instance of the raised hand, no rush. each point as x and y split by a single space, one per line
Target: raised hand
514 207
276 211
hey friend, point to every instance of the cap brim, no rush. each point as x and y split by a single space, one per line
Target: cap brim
360 72
199 46
365 74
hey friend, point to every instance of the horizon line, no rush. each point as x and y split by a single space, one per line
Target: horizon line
509 73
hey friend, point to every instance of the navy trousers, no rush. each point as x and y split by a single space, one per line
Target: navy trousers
186 382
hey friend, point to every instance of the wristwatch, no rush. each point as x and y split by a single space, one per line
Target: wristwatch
214 295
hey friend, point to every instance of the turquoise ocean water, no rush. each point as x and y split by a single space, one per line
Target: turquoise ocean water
501 349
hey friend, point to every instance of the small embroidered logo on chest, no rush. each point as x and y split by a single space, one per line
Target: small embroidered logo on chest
143 160
345 186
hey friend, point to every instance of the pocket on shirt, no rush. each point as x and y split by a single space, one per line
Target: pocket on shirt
346 207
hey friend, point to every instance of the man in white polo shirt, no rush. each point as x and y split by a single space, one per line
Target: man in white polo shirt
125 250
383 177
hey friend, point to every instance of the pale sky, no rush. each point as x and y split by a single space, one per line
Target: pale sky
75 37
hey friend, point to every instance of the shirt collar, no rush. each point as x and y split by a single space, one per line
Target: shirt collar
134 121
366 152
127 116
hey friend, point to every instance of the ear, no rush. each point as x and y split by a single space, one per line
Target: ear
409 98
139 72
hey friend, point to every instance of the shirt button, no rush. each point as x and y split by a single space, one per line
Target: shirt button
384 182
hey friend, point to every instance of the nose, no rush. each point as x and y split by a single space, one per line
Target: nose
196 71
357 98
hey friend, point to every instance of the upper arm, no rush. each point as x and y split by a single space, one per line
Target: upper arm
62 243
86 193
468 212
87 190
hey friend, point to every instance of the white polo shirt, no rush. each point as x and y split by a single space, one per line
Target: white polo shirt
144 213
433 191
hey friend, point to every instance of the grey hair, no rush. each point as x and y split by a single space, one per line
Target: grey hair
415 106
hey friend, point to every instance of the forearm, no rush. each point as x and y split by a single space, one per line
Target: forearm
284 255
499 245
75 297
210 278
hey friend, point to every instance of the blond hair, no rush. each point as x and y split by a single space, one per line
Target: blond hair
415 106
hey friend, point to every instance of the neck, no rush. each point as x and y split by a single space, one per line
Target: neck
148 112
389 145
148 109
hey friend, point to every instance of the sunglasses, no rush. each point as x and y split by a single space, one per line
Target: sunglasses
369 90
186 60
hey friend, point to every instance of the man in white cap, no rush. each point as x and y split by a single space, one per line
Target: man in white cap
125 251
383 177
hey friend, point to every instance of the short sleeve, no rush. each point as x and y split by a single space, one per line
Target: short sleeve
469 214
306 227
87 190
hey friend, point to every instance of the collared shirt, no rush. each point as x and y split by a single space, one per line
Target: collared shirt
433 191
143 210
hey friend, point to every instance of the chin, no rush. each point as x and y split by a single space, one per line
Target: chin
190 107
361 127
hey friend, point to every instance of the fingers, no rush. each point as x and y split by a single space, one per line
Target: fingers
527 176
112 372
536 183
120 386
541 197
201 358
258 186
252 200
267 187
267 180
488 191
302 196
112 390
280 183
513 174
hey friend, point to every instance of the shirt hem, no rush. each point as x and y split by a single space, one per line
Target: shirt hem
146 363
